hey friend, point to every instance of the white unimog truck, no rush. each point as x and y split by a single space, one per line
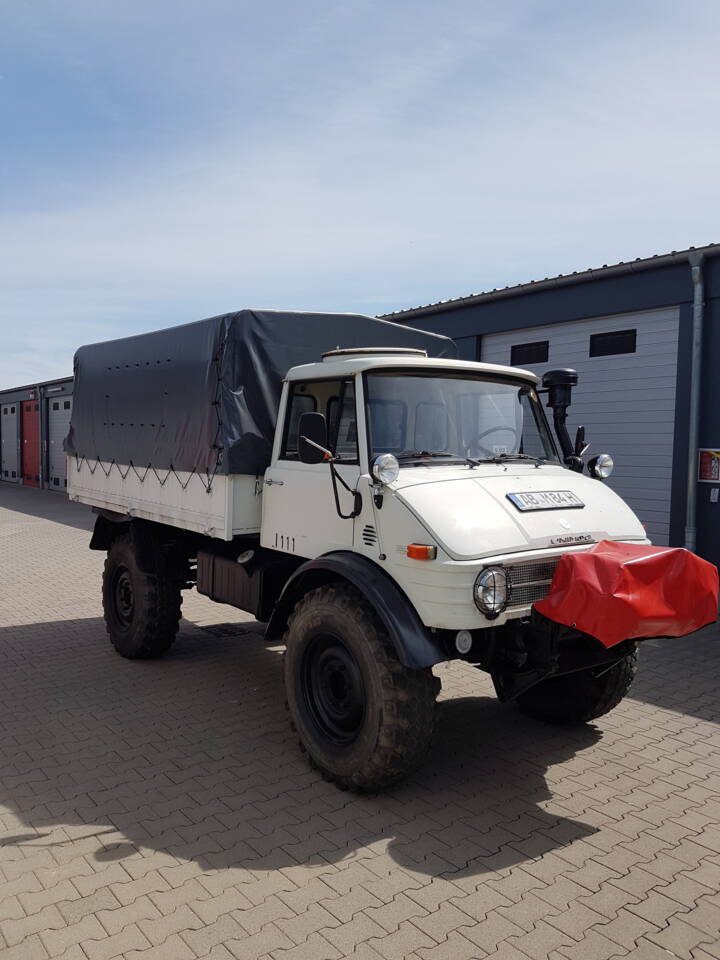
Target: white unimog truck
382 505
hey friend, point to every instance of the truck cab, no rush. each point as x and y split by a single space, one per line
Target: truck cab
456 471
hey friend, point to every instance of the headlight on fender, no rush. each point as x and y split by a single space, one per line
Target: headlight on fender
491 591
601 467
385 468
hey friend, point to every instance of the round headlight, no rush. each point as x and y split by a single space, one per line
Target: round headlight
491 591
601 466
385 468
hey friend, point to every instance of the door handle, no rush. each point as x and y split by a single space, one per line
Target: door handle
270 482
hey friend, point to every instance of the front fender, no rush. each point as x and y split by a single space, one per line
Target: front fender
414 644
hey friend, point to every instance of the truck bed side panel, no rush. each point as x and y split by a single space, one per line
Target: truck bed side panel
231 506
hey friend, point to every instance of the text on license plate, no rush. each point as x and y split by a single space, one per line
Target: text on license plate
546 500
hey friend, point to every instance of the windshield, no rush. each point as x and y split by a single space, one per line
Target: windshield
456 416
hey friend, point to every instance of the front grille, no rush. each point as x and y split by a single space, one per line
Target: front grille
530 582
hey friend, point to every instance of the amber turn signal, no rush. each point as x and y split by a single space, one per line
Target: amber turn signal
421 551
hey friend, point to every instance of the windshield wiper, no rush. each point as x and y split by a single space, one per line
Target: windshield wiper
427 454
422 454
506 457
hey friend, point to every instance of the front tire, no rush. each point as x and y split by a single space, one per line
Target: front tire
580 697
364 720
142 610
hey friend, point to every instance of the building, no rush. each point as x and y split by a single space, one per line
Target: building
33 423
645 339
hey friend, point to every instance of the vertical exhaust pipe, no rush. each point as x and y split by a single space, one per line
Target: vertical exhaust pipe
559 384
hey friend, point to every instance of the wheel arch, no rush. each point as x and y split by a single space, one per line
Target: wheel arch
108 527
155 545
413 643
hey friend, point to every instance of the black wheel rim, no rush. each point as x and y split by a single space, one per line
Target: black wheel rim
334 691
123 595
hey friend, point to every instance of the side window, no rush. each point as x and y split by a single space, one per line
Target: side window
299 404
323 396
616 341
342 426
522 354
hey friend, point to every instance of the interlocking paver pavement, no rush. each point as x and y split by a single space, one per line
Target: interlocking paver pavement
162 809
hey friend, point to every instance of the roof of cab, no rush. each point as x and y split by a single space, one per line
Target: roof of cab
342 366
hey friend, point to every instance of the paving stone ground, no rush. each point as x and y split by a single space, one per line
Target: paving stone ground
162 810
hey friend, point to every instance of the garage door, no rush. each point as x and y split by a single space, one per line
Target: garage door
30 447
9 459
625 396
58 424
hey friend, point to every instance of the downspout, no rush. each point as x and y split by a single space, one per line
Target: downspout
695 259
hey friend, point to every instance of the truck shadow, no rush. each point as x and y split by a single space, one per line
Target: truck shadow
50 505
192 757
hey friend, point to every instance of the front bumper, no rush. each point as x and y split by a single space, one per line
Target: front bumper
548 649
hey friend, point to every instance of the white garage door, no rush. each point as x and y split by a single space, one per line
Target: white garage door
59 411
9 465
627 368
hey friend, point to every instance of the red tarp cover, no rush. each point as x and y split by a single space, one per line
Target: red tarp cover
618 591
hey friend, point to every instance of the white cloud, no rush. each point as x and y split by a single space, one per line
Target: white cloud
399 156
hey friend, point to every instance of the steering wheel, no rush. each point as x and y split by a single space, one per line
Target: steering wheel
481 436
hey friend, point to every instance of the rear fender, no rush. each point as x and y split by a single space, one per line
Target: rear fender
156 546
414 644
108 527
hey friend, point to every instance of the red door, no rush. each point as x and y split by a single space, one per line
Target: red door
31 443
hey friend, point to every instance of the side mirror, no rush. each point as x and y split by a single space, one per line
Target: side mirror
312 439
580 444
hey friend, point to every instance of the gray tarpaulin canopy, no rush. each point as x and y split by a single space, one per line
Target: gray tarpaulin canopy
204 396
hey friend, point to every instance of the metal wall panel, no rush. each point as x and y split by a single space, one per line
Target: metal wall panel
626 401
9 447
30 443
59 410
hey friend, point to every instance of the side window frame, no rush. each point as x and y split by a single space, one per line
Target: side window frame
288 418
339 397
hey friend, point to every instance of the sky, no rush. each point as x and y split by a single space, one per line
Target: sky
169 160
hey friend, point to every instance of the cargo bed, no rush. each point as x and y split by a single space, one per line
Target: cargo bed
231 507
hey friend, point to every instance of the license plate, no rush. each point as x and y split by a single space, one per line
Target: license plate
546 500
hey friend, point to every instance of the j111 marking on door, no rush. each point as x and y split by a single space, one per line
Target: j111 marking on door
283 542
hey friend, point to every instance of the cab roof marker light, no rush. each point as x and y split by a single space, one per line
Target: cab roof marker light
421 551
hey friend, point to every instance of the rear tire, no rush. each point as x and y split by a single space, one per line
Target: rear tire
580 697
142 610
364 720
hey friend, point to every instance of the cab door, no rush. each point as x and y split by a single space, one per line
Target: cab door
299 514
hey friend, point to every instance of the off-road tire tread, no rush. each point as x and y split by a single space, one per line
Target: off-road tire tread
579 698
409 699
158 615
